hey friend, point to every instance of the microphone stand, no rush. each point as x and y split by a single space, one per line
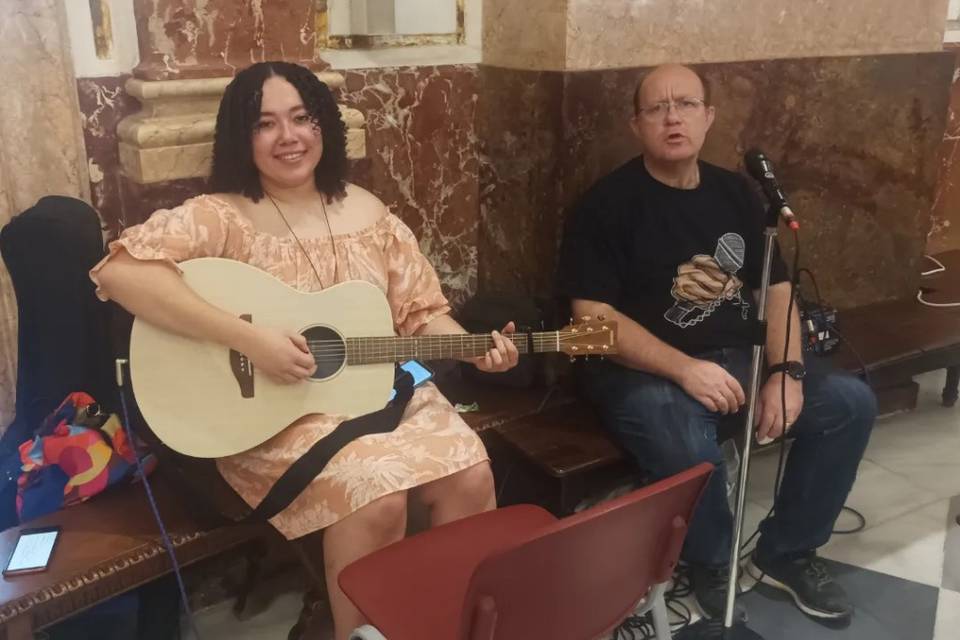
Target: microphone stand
704 630
756 366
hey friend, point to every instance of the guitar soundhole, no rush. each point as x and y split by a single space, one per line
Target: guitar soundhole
328 350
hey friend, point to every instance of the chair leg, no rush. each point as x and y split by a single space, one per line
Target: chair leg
655 604
950 387
661 623
366 632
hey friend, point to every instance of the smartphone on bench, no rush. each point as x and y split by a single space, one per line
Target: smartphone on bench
32 552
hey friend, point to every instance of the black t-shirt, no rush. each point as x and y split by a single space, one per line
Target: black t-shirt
683 263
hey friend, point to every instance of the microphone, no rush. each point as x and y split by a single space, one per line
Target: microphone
761 169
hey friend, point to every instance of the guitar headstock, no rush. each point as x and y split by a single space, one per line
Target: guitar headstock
589 337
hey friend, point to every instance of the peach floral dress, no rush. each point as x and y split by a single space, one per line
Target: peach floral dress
431 442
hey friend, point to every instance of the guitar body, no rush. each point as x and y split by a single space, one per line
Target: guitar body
204 400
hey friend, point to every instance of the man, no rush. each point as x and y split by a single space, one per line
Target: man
671 248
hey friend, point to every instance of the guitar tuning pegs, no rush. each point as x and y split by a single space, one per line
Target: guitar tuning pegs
601 318
572 359
585 319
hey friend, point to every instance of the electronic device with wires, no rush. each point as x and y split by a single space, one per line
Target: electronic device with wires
818 328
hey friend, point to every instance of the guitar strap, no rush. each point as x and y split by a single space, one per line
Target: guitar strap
302 472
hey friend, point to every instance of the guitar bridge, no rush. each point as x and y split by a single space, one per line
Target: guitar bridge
242 368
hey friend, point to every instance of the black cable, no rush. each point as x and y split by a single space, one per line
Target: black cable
862 523
123 381
863 365
794 283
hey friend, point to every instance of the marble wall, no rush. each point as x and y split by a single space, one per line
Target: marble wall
945 229
584 34
854 140
482 160
422 159
42 150
521 132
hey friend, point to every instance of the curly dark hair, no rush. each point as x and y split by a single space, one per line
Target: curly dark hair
233 168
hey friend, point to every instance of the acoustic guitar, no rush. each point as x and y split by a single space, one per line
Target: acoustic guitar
207 401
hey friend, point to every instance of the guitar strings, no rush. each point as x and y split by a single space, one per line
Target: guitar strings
331 350
476 337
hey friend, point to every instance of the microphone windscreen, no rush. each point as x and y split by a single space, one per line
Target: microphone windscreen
756 162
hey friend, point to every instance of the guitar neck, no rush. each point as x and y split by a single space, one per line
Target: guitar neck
438 347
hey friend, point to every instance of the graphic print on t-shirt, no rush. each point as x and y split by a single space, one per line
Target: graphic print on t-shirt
705 282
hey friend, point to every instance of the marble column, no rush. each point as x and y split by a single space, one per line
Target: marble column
42 151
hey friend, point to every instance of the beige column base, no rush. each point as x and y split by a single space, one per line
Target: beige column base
171 138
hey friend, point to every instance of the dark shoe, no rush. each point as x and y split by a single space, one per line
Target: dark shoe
807 580
710 591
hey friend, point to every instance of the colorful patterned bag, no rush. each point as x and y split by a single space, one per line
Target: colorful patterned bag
76 453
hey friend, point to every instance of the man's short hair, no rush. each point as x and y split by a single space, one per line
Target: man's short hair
636 92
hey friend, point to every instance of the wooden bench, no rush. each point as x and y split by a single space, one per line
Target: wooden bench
564 441
107 547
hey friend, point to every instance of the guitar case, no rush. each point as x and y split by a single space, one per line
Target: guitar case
62 344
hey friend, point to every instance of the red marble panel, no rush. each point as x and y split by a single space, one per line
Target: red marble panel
207 38
422 159
103 103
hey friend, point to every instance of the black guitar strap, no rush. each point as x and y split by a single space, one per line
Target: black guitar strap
302 472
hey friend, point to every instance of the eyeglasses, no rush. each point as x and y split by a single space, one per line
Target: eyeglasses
685 107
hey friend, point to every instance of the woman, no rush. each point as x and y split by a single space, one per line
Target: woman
282 204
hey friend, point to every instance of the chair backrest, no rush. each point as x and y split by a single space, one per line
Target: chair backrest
578 578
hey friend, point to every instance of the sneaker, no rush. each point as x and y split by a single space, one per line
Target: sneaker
807 580
710 592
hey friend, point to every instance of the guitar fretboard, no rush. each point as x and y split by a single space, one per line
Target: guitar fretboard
394 349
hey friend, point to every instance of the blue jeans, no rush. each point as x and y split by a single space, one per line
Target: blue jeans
667 431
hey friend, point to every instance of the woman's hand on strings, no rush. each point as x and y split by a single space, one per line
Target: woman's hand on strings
503 356
282 355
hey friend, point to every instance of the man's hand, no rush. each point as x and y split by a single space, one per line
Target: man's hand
503 356
712 386
769 414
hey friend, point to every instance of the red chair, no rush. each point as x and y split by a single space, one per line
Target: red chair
518 572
